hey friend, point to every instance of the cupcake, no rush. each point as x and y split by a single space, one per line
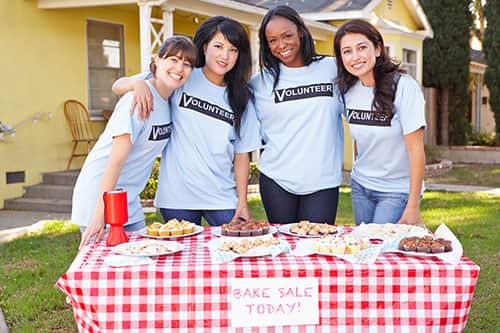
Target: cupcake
187 227
152 230
176 231
164 231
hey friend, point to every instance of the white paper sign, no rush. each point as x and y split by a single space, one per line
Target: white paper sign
274 301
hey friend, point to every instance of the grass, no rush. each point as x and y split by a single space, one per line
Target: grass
30 266
470 174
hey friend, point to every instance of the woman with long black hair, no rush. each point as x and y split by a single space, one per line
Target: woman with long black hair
301 124
204 171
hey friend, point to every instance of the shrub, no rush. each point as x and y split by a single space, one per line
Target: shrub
253 177
152 185
150 189
481 138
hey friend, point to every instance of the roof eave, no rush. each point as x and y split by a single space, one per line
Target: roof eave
364 13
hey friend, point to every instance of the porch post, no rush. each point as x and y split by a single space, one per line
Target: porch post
168 23
479 101
254 47
145 34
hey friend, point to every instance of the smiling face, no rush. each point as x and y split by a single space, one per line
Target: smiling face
220 57
172 71
283 39
359 56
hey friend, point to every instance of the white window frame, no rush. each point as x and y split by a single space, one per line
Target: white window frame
97 114
418 64
391 49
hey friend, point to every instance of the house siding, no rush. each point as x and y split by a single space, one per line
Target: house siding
44 64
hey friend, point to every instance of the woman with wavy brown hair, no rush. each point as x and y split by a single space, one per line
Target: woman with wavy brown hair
385 111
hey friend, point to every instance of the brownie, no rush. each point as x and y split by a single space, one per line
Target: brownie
437 247
257 231
408 244
264 225
424 246
245 230
446 243
232 233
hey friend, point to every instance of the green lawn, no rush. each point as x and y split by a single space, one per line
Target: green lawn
30 266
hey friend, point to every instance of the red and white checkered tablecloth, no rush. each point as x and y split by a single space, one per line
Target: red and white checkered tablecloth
186 292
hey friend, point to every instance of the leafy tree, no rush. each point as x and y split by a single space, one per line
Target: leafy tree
446 64
477 9
491 48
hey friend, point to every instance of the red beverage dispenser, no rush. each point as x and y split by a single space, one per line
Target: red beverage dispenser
116 215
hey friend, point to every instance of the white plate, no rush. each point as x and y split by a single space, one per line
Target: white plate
216 231
197 230
285 229
308 243
148 248
260 251
388 231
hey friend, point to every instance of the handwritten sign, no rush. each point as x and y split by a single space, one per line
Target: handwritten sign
274 301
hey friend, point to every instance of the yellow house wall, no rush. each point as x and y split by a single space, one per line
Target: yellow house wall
398 13
44 63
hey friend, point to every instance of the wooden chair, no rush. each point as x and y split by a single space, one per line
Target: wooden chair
78 120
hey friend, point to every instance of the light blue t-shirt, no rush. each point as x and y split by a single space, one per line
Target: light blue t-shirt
301 126
196 170
148 137
382 161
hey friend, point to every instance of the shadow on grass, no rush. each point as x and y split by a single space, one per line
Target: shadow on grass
30 267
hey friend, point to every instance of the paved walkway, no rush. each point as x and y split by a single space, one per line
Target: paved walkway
462 188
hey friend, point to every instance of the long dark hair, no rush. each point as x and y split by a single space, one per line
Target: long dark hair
239 91
384 71
269 62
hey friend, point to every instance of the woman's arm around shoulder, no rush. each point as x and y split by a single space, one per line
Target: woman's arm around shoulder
143 98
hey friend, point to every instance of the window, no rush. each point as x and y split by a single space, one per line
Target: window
410 62
105 64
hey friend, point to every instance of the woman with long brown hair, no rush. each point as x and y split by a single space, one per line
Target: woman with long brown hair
385 111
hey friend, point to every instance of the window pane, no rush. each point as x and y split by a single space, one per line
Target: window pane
105 61
410 62
101 80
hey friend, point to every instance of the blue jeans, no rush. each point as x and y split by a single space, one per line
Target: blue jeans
371 206
214 217
129 227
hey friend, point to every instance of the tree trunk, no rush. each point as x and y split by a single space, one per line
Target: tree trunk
445 116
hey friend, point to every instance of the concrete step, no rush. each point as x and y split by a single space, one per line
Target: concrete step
42 205
60 178
42 191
